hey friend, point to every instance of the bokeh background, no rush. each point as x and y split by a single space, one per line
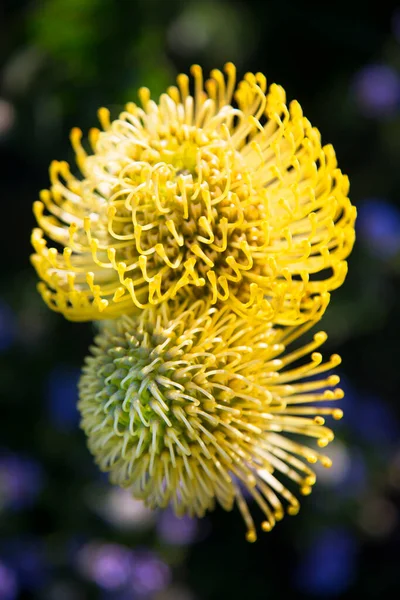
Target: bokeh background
65 534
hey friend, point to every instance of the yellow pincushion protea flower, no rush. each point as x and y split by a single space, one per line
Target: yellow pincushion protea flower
202 194
187 405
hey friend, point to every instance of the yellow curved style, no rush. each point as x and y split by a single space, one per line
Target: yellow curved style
223 192
191 405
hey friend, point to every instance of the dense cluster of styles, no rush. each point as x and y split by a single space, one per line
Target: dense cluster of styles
204 235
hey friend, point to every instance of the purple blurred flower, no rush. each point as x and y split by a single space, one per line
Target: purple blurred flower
62 396
7 326
150 574
328 566
377 90
176 530
21 480
378 225
114 567
8 583
108 565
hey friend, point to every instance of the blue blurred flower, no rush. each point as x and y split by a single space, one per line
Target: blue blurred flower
376 421
378 225
26 558
8 583
176 530
62 396
21 480
377 90
328 566
7 326
369 417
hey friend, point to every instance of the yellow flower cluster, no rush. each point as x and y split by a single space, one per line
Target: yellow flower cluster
207 231
196 196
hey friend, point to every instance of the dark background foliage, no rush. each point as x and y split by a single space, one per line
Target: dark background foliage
65 534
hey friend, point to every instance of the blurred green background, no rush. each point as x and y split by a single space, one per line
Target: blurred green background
65 534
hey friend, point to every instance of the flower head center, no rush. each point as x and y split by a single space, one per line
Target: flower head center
182 156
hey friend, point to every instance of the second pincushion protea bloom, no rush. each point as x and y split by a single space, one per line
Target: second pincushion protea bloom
220 192
187 405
